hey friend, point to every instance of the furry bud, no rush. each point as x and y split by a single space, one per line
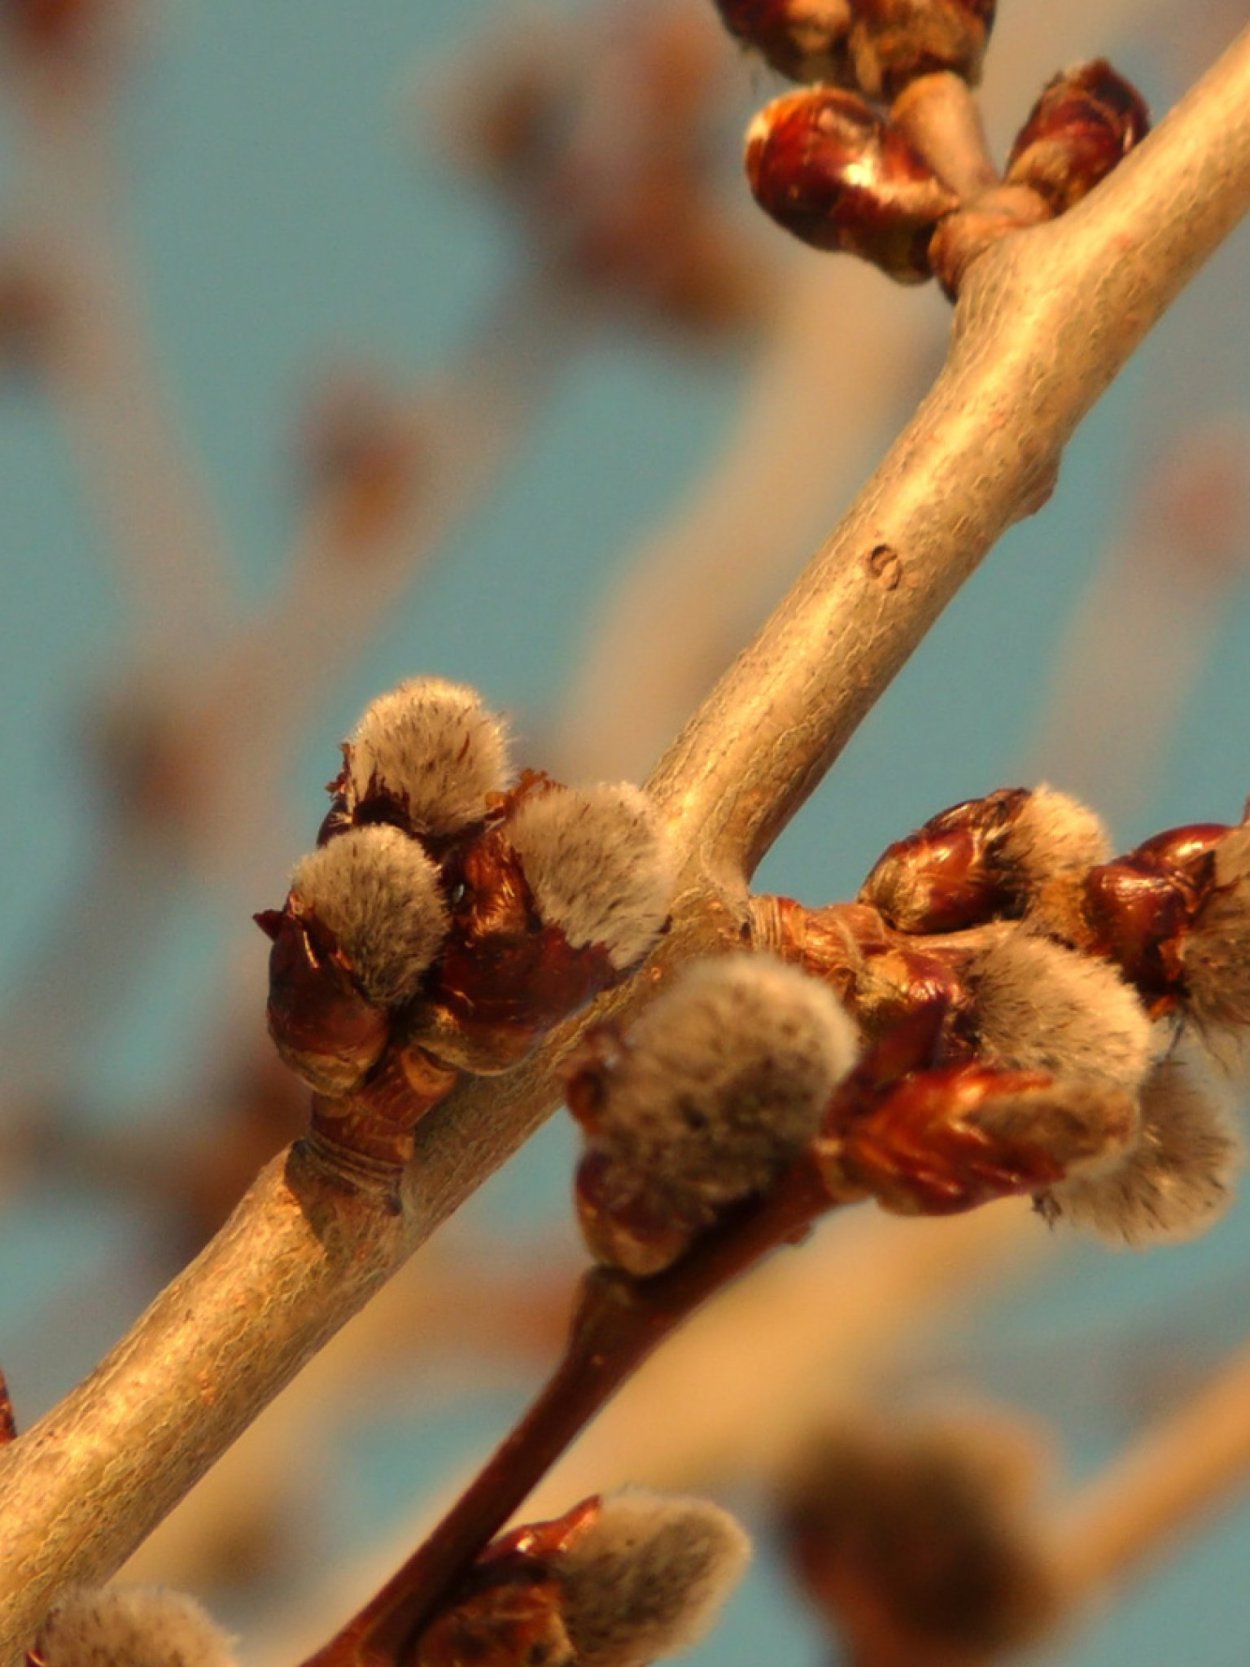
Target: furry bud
1174 1182
599 865
426 756
805 39
1042 1007
830 170
892 42
922 1543
1215 956
946 1140
362 922
1086 120
131 1626
555 901
985 858
718 1085
646 1576
378 893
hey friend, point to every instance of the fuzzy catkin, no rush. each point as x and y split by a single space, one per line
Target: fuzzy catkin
600 866
1053 833
1216 953
432 747
1175 1182
1043 1007
726 1076
132 1626
647 1577
379 894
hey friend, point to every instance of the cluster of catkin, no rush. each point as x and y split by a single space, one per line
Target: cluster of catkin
447 917
883 155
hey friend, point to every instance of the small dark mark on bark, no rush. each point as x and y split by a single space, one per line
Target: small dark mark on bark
886 565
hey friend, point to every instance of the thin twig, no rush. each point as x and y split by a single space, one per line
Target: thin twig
1046 320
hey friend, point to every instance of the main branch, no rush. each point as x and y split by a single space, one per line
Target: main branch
1046 320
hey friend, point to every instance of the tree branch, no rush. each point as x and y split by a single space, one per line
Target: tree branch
1046 320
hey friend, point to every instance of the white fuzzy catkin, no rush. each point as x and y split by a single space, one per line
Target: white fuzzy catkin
1176 1181
726 1076
1043 1007
433 746
1216 953
132 1626
1054 833
379 894
600 865
647 1577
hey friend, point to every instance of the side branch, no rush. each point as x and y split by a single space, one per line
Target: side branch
1046 319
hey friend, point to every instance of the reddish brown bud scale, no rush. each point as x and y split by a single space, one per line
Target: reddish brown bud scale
1087 119
943 1141
804 39
321 1022
831 171
8 1423
503 977
948 874
893 42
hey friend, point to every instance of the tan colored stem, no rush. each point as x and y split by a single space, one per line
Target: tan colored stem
1170 1479
1046 320
939 114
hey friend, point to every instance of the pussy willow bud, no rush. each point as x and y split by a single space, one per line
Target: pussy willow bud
1175 1182
364 919
837 175
555 902
922 1543
946 1140
804 39
1042 1007
893 42
615 1582
426 756
1087 119
647 1576
717 1086
131 1626
987 857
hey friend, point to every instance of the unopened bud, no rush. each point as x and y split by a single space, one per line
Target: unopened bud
984 858
1087 119
830 170
378 893
131 1626
718 1085
949 1139
363 920
599 864
1174 1182
646 1577
427 755
892 42
1042 1007
804 39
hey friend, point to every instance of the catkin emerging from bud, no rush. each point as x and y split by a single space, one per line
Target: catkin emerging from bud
1175 1182
647 1576
599 864
378 893
131 1626
430 750
1043 1007
725 1078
